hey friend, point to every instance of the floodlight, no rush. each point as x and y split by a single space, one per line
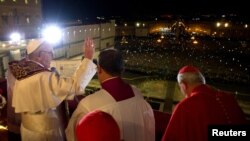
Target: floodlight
52 34
15 37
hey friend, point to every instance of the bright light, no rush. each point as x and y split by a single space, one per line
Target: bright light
3 127
245 25
15 37
52 34
195 42
218 24
226 24
137 24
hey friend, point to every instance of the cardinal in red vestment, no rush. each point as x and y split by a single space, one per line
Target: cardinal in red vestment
202 107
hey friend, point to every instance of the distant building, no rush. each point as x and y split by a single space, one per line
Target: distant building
236 28
70 46
23 16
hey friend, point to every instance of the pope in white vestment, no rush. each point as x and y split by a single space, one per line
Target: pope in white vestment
124 102
37 91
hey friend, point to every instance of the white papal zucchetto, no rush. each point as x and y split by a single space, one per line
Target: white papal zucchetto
34 44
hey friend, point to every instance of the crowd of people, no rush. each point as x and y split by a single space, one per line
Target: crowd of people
220 60
35 94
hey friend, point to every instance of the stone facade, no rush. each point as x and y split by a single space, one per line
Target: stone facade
23 16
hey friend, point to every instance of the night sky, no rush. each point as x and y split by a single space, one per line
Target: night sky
80 9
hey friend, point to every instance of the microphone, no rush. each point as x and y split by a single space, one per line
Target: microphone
53 69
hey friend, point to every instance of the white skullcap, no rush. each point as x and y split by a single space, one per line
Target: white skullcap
34 44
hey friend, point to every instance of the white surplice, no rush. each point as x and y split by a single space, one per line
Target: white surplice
134 115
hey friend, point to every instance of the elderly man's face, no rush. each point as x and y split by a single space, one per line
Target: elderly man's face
183 89
45 54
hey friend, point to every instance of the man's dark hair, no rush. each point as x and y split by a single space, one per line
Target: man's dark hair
111 61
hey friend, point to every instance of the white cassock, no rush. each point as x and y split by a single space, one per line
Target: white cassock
36 97
134 115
